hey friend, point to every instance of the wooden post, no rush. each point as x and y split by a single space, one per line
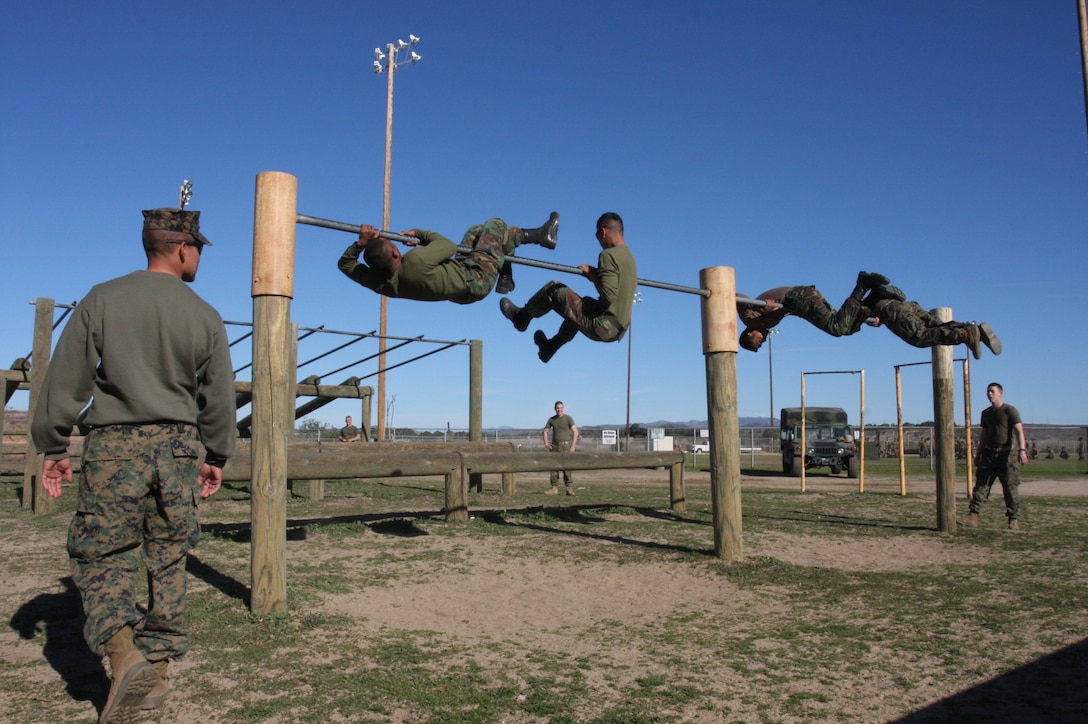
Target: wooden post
476 403
33 492
275 212
944 430
456 494
677 496
968 435
902 456
719 324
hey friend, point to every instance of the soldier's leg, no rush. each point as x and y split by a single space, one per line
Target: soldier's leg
1010 487
106 533
172 531
905 320
809 304
984 481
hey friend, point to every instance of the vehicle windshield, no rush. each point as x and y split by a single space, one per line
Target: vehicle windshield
825 432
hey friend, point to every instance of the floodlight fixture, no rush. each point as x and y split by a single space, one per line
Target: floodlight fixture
416 57
401 45
378 54
413 40
378 67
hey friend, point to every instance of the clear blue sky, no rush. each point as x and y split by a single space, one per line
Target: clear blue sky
942 143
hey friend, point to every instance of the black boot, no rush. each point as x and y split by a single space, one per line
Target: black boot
515 314
882 292
505 284
547 235
546 348
871 279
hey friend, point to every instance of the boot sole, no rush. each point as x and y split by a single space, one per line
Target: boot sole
989 338
123 707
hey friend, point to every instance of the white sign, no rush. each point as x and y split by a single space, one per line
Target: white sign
657 433
608 437
704 433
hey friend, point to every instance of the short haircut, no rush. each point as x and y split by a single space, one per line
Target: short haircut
558 403
378 255
747 342
610 220
997 385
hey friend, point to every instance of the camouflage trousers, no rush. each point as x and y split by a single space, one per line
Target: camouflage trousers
568 478
580 314
916 326
138 499
996 464
491 242
808 304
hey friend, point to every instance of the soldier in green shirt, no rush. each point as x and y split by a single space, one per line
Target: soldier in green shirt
434 270
152 359
604 318
564 439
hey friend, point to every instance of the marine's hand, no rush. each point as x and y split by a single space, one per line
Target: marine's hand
52 472
210 478
413 233
366 233
873 321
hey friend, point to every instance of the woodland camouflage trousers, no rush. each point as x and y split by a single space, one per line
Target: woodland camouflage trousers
808 304
916 326
580 314
490 242
137 503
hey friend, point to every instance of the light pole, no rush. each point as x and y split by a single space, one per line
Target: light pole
627 431
770 377
386 63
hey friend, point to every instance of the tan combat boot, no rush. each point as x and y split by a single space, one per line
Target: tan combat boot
570 490
970 520
133 679
157 696
552 491
1014 524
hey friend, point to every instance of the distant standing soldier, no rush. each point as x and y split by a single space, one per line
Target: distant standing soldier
153 360
1002 431
349 433
564 439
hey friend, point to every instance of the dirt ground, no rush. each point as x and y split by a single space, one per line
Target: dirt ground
511 596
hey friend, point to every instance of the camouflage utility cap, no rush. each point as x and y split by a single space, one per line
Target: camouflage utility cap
187 222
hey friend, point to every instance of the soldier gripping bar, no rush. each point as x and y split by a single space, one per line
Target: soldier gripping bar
354 228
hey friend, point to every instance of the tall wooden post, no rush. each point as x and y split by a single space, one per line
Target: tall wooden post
274 218
33 492
719 319
944 432
476 403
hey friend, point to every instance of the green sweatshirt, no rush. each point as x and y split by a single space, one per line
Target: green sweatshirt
427 273
618 276
143 348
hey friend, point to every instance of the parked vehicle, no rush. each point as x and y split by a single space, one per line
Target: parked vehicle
829 441
699 447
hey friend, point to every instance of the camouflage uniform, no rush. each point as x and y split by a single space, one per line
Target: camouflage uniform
916 326
580 314
994 461
562 429
490 243
138 487
809 304
437 270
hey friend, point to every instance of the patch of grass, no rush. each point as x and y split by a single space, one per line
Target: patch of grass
785 641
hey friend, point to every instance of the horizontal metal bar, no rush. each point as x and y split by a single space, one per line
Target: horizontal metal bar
354 228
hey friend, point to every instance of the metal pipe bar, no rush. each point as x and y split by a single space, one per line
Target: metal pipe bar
331 351
370 357
243 338
354 228
409 361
